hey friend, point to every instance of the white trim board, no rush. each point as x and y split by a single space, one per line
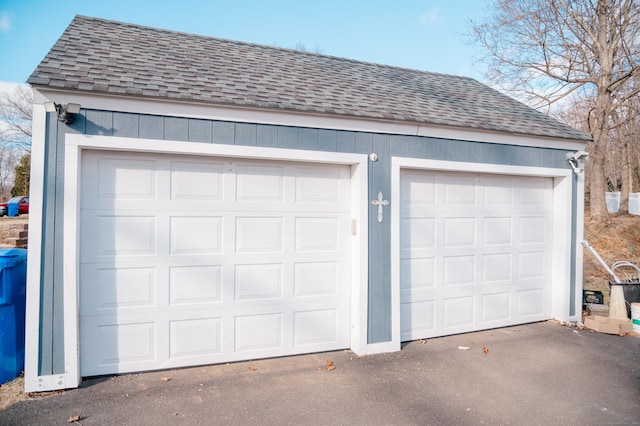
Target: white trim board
33 382
186 109
75 144
562 198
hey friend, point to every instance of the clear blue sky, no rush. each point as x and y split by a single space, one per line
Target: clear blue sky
427 35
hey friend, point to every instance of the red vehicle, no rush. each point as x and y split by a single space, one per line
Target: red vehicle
21 200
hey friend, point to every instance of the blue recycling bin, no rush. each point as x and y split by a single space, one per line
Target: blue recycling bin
12 209
13 283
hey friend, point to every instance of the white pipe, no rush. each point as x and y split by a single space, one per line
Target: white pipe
597 256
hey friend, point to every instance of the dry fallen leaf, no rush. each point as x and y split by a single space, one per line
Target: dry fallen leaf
421 341
330 366
252 368
164 379
485 350
74 419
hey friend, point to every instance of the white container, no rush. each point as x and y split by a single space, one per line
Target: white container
635 317
634 203
613 201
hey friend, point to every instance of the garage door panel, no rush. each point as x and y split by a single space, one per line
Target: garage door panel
497 231
117 347
474 251
259 234
259 332
230 260
195 337
417 273
496 306
319 186
259 183
531 302
419 191
126 235
317 234
194 235
312 279
531 265
417 233
532 230
418 318
458 270
317 326
460 232
125 287
458 311
197 181
498 191
497 268
458 190
258 282
109 289
535 192
120 178
195 284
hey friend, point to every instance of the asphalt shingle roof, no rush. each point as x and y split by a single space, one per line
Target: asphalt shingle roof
108 57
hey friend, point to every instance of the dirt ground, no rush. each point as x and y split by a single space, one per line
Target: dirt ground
618 239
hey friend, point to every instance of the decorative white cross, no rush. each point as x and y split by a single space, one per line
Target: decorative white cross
380 203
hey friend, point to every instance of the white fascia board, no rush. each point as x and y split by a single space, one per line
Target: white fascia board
157 106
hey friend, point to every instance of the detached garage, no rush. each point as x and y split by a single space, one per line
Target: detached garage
198 201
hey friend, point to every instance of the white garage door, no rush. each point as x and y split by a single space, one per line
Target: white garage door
196 260
475 251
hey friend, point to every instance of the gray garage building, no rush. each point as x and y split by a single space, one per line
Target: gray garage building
198 201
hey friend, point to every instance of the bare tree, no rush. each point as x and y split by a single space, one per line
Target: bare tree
8 160
553 50
16 108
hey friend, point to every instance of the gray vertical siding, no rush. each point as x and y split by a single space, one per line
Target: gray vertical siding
379 323
48 251
108 123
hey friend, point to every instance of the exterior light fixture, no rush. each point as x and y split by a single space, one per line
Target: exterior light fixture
576 160
66 113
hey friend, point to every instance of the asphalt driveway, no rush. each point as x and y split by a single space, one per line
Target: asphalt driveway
541 373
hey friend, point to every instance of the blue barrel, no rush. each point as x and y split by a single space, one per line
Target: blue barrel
13 283
12 209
